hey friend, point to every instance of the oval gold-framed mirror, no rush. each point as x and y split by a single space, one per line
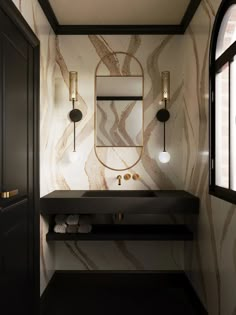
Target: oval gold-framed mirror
118 111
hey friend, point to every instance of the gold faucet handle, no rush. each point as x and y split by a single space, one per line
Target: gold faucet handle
127 176
119 177
136 176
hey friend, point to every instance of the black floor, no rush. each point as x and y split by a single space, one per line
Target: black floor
94 293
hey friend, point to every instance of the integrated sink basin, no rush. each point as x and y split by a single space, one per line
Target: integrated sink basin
124 201
119 193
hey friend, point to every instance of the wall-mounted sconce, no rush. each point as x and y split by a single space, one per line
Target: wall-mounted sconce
163 114
75 114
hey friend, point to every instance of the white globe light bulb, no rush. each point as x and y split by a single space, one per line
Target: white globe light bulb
73 156
164 157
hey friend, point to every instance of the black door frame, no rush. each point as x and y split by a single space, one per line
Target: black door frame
13 13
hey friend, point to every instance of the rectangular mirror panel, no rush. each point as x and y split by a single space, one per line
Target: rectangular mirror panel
119 86
119 123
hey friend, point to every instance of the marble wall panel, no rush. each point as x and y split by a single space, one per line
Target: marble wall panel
82 54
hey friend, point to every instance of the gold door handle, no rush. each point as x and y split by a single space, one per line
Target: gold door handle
9 194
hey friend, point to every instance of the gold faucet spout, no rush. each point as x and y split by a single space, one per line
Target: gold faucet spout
119 179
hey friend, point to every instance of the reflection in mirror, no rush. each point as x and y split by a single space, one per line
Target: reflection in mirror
119 123
119 111
123 86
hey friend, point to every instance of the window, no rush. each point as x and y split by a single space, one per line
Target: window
223 103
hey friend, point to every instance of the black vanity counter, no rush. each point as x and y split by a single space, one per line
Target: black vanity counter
125 201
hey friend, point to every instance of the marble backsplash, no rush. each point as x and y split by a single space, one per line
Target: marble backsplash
82 54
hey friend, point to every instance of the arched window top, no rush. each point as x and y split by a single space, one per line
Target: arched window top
227 32
223 103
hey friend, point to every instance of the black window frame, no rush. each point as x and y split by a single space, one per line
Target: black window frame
215 65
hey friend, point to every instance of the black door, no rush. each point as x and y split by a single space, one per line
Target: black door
18 171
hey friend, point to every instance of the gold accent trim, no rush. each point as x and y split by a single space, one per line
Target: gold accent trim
95 111
122 53
136 176
119 169
165 85
9 194
73 86
127 176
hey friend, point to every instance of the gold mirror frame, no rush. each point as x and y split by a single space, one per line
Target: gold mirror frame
95 112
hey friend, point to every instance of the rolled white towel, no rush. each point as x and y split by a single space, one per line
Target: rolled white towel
85 228
60 228
72 219
72 229
60 218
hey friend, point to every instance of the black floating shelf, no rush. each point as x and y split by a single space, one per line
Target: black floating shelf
148 232
119 98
